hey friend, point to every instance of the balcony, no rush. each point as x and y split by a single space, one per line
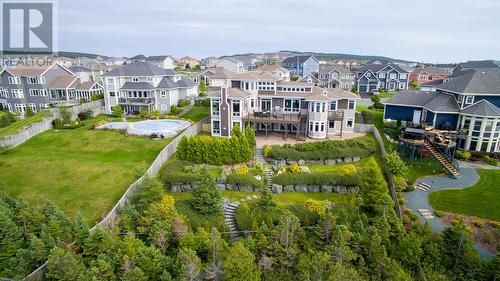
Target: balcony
275 116
136 101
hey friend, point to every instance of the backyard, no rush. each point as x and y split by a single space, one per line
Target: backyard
81 170
17 126
480 200
197 113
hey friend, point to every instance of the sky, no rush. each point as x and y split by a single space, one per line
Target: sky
436 31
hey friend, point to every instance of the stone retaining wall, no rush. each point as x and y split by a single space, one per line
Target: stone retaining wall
276 188
315 162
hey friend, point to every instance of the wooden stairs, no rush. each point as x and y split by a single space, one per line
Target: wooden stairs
446 161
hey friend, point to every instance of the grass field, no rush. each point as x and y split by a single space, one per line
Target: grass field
197 113
480 200
80 170
17 126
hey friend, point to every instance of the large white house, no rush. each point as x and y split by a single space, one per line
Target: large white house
231 64
141 85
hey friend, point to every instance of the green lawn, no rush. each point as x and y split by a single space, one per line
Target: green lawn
18 126
419 168
80 170
294 198
330 169
480 200
387 95
197 113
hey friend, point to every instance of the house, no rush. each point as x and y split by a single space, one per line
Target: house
431 86
427 74
84 73
276 70
336 76
209 62
231 64
447 67
377 75
271 105
475 65
187 62
114 61
143 86
165 62
38 87
301 65
311 78
468 102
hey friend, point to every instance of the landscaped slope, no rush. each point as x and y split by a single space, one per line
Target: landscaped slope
80 170
479 200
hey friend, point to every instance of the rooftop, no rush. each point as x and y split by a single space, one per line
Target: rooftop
140 69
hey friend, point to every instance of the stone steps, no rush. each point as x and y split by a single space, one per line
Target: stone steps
229 218
423 186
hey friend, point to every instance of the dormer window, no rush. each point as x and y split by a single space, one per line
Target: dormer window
135 79
469 99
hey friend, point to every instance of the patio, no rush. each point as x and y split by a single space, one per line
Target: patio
275 138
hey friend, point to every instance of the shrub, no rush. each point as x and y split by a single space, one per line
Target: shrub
315 206
399 182
7 118
491 161
250 217
65 114
331 149
466 155
29 112
295 169
174 110
210 150
478 223
495 224
242 170
206 197
183 103
439 213
368 117
58 123
203 102
86 114
248 180
348 169
117 111
394 165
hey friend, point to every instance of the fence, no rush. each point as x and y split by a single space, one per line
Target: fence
153 170
363 128
26 134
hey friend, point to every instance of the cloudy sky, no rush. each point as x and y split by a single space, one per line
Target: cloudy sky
425 30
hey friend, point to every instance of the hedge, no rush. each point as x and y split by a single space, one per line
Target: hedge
247 179
179 178
316 179
211 150
332 149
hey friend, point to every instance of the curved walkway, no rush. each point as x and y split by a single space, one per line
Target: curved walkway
419 199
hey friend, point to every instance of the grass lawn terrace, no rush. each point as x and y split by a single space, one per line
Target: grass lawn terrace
17 126
81 170
481 200
197 113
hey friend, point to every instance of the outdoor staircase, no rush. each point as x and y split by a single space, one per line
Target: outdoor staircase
446 161
258 157
229 219
423 186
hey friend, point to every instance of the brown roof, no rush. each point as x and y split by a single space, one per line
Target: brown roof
62 82
26 71
85 86
233 93
270 67
293 83
254 75
327 68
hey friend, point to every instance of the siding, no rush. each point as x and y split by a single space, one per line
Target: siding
403 113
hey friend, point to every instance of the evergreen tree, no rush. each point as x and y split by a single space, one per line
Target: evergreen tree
239 264
64 265
191 265
206 199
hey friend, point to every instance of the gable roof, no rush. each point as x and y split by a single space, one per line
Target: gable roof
432 70
62 82
327 68
271 67
482 108
159 58
477 64
230 59
433 101
474 81
85 86
168 83
378 67
79 69
140 69
300 59
137 86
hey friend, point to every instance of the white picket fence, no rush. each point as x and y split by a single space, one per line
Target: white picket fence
27 133
152 171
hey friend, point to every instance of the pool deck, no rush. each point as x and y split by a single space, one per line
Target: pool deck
132 129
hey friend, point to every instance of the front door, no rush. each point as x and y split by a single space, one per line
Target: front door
416 116
391 86
265 105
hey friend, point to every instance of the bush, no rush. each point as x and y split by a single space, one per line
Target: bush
86 114
394 165
174 110
248 180
488 160
65 114
183 103
117 111
393 130
348 169
331 149
206 197
29 112
203 102
242 170
464 155
368 117
250 217
7 118
439 213
295 169
400 183
210 150
58 123
315 206
478 223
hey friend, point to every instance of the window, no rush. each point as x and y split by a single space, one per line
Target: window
111 94
368 74
215 106
292 105
316 126
164 107
236 108
351 104
477 125
163 94
252 103
331 124
381 75
33 107
135 79
402 76
14 80
317 106
42 80
34 92
17 93
215 127
20 107
32 80
333 105
469 99
350 122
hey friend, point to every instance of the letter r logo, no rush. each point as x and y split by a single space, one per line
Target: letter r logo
27 27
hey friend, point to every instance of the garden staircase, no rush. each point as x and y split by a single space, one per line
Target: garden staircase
448 163
258 157
229 219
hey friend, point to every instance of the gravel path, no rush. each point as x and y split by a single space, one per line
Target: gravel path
419 199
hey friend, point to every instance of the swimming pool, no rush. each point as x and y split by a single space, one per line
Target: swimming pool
165 127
